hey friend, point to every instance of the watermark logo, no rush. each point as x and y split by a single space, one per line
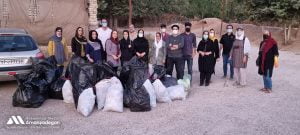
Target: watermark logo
17 121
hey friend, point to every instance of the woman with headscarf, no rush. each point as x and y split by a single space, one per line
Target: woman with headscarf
239 55
94 49
141 46
157 53
57 47
212 37
267 59
206 60
113 50
126 48
78 43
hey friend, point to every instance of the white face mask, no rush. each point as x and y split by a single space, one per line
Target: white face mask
125 36
141 35
240 33
104 24
175 32
229 30
163 30
205 37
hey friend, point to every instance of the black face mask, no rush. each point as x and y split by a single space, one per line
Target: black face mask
265 37
187 29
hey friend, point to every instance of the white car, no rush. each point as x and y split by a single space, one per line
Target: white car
17 47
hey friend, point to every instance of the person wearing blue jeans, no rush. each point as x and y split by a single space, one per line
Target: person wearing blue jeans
226 45
226 61
267 80
189 47
268 52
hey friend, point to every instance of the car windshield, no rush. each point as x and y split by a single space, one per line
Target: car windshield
15 43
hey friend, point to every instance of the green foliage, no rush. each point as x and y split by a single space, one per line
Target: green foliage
282 11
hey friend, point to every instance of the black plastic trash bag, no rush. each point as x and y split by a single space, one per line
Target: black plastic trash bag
82 76
33 88
27 95
136 96
55 91
169 81
158 73
104 71
47 68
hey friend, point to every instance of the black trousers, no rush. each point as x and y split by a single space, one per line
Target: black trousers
205 77
179 66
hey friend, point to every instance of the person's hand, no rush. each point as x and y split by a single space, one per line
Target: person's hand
115 57
245 59
175 47
119 56
143 54
202 53
207 53
90 60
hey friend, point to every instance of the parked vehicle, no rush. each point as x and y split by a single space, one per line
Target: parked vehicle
17 49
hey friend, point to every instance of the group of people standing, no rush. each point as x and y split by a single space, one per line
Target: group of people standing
169 50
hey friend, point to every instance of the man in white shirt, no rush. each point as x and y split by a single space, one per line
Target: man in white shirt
104 32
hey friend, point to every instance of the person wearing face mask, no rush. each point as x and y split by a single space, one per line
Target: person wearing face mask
94 48
189 47
226 45
127 49
57 47
239 55
113 50
132 33
267 59
103 32
157 53
141 46
78 43
206 59
175 44
212 37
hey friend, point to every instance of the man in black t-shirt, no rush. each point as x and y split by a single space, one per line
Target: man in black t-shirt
226 44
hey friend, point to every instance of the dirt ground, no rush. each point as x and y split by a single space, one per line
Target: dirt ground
218 109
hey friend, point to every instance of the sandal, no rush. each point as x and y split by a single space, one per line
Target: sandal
263 89
268 91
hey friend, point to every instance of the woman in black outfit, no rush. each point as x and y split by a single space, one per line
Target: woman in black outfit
206 60
141 46
79 43
127 49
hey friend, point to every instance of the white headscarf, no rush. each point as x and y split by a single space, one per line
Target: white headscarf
158 45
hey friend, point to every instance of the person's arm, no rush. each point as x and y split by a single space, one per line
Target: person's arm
181 42
247 47
73 45
66 51
108 45
50 48
164 52
221 44
276 52
194 45
217 51
146 51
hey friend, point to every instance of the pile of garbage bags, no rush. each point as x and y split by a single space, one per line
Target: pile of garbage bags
41 83
88 85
